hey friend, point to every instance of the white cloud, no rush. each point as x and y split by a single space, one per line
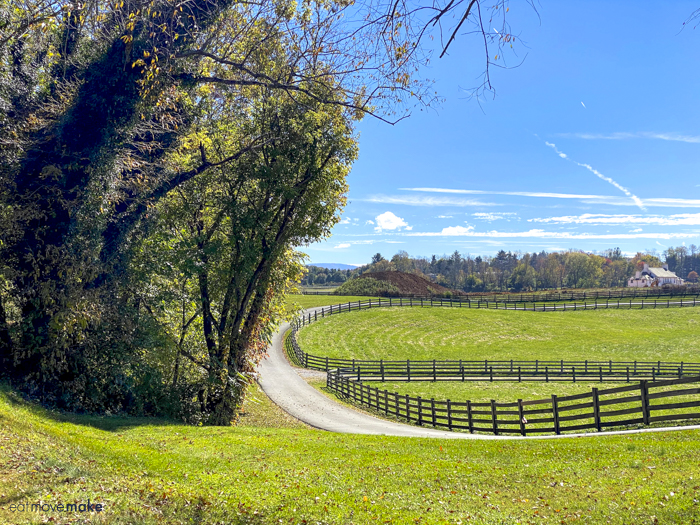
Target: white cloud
514 193
598 174
422 200
586 199
494 216
674 137
346 220
389 221
342 245
636 230
444 217
681 219
455 230
460 231
369 222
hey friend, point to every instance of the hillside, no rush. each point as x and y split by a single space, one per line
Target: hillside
409 283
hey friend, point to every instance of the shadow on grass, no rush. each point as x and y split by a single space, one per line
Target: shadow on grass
106 423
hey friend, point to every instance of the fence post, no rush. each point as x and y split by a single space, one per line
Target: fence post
381 364
326 363
434 372
386 402
645 401
408 370
461 369
555 413
493 416
420 411
449 414
521 417
596 409
520 379
628 374
546 374
470 423
408 409
601 373
491 374
432 409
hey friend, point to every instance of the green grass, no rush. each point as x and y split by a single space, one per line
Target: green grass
312 301
264 471
453 333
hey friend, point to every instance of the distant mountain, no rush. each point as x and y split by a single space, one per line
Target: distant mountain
335 266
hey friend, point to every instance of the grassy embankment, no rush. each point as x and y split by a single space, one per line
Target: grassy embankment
445 333
270 469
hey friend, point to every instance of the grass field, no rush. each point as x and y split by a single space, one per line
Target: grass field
273 470
312 301
448 333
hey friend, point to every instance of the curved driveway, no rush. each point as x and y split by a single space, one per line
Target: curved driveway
280 381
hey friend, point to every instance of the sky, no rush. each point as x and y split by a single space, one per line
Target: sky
593 142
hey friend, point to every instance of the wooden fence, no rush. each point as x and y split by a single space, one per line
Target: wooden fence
552 415
615 304
579 295
599 409
509 370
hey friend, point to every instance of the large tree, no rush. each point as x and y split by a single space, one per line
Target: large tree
99 101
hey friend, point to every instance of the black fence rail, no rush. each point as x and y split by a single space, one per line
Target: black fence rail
628 304
599 409
512 370
561 295
493 370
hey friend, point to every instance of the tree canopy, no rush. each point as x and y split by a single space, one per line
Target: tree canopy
161 159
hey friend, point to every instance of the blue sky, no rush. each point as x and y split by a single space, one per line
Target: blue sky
592 143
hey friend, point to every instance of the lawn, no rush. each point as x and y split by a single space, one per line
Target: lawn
469 334
270 469
312 301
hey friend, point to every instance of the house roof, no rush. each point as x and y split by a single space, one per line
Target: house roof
660 272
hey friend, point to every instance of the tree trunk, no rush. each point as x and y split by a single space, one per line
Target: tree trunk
5 342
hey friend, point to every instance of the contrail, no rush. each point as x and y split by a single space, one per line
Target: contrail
584 105
598 174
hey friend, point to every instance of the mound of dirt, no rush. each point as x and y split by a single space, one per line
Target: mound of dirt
409 283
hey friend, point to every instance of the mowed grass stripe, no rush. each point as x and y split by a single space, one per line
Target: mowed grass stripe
449 333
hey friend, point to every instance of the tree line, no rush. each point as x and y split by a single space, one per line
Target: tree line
516 271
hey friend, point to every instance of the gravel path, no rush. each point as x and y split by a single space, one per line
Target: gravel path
281 382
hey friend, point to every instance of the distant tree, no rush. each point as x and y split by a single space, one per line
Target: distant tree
402 262
377 257
693 277
582 270
524 277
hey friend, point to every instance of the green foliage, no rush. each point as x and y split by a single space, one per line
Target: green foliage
366 286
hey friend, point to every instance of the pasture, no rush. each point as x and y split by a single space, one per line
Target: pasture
470 334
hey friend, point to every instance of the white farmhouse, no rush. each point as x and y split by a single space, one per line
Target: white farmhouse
654 277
